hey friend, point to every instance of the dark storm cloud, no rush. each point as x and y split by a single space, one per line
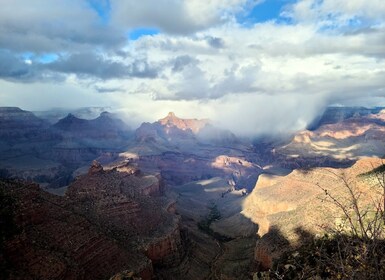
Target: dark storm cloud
215 42
172 16
182 61
88 65
54 26
12 67
108 89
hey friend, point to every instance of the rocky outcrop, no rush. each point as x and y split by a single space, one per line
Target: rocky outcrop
166 251
289 209
183 124
54 242
111 220
170 129
128 205
95 168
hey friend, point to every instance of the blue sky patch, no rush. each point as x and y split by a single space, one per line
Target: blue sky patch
139 32
102 7
44 58
267 10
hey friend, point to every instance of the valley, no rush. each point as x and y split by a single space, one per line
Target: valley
176 198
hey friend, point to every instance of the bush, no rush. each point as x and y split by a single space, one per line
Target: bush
351 249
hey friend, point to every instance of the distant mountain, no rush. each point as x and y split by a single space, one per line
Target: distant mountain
33 149
362 134
184 124
184 150
177 131
72 124
106 126
339 114
55 114
170 129
19 125
14 117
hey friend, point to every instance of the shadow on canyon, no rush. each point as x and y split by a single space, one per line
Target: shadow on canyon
330 256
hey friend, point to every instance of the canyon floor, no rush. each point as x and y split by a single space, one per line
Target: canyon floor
210 210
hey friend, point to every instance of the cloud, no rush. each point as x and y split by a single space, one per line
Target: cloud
336 13
108 89
180 62
53 26
175 16
91 65
274 75
215 42
12 67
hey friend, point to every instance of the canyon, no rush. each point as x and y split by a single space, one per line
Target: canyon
173 199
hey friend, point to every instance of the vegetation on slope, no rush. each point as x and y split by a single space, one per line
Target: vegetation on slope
213 215
352 249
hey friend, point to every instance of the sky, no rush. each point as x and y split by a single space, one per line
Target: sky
252 66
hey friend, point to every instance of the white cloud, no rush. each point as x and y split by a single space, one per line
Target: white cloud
176 16
337 12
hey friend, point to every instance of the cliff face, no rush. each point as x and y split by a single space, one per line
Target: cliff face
170 129
129 205
166 251
183 124
17 122
54 242
110 221
289 208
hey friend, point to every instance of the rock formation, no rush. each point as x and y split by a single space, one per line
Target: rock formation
18 125
112 220
52 241
129 206
336 143
286 207
170 129
184 124
33 149
334 115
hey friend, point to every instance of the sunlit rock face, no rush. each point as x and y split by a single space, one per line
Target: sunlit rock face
184 124
185 150
289 209
170 129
